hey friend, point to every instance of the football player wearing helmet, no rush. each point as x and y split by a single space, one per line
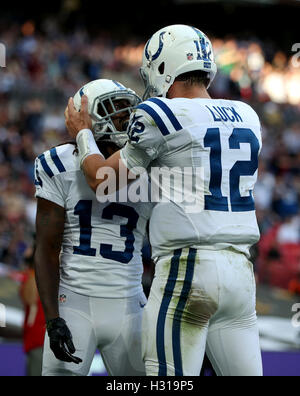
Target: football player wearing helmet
203 294
88 259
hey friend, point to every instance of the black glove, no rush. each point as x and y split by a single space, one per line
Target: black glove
60 336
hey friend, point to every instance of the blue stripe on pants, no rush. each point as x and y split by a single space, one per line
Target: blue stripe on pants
160 329
187 284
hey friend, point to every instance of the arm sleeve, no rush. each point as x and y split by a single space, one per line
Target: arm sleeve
145 144
47 185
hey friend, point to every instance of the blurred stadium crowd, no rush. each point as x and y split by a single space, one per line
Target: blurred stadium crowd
44 68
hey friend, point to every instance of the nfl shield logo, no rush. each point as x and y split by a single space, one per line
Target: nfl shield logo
190 56
62 298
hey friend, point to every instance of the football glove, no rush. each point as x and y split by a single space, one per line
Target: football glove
61 342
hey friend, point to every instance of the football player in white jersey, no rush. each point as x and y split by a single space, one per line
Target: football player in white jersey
203 294
88 258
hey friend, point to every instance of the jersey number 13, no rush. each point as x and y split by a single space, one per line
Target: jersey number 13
84 210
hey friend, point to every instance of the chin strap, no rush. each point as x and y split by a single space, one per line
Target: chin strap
86 145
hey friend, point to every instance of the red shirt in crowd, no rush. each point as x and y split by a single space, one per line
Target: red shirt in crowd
34 323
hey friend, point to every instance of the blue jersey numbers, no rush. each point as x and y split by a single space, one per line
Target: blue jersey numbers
216 201
126 231
83 210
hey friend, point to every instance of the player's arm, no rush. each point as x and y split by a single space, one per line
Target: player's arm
91 159
136 155
50 222
93 164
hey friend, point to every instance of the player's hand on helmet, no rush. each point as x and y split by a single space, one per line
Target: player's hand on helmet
61 342
77 120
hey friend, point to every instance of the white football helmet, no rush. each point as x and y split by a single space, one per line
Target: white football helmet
102 95
172 51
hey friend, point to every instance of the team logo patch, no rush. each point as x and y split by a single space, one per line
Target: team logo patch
148 54
62 298
190 56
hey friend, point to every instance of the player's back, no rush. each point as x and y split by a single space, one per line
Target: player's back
220 141
102 243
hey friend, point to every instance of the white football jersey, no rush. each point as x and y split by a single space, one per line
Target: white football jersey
218 141
101 250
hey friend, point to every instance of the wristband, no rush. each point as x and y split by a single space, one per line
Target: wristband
86 145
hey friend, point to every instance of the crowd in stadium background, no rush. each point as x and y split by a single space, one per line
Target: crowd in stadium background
46 66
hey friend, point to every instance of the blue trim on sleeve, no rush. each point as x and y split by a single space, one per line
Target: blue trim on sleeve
59 165
159 122
176 124
37 179
45 165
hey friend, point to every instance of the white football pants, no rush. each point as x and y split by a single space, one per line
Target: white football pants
202 300
113 326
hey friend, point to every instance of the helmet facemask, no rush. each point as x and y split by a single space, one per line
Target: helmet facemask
111 108
150 90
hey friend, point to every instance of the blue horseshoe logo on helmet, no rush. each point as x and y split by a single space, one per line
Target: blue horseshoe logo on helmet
161 44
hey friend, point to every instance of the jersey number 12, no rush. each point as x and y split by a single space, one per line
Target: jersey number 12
216 201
